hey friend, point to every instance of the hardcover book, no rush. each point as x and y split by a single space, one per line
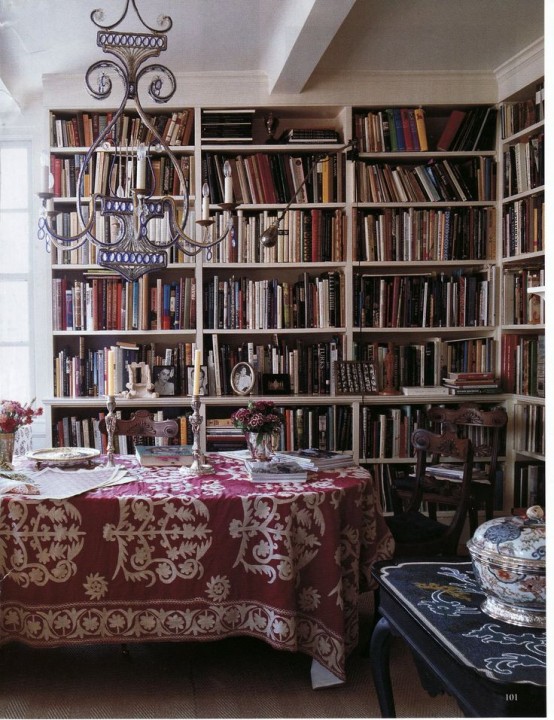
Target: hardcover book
164 455
289 471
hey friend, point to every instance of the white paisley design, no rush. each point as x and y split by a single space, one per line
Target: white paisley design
162 545
39 541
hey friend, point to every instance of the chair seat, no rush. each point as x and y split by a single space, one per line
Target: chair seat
414 527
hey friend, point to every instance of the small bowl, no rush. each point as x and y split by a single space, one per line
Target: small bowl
509 561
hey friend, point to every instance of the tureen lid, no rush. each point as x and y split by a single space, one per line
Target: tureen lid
523 538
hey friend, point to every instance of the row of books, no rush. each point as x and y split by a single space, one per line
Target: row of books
421 234
83 372
247 304
322 427
517 116
417 364
472 129
461 299
308 366
262 178
435 181
520 306
523 364
386 432
523 225
524 166
529 484
314 235
531 420
67 224
81 129
391 130
108 302
110 174
227 126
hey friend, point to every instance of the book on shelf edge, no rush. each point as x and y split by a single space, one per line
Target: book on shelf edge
464 376
164 455
450 129
418 390
275 471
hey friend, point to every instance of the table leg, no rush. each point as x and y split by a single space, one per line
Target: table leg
379 661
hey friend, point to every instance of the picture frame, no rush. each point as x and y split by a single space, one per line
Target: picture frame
204 388
276 384
353 377
243 377
164 379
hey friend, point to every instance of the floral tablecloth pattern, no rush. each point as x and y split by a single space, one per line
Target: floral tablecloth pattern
173 557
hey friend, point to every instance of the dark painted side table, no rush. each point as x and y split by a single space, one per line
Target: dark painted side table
491 668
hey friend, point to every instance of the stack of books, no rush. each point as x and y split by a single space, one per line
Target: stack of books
275 471
316 459
227 126
472 383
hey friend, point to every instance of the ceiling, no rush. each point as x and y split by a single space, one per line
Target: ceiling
287 41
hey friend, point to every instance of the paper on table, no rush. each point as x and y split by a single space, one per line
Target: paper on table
58 484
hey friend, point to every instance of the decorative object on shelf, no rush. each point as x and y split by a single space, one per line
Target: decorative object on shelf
13 415
389 387
243 377
132 252
140 382
271 123
509 560
260 423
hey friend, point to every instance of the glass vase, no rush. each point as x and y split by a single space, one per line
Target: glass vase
260 445
7 444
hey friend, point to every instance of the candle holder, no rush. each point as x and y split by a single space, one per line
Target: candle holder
199 465
111 424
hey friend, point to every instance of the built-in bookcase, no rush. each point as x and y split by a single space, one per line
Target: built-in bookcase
388 258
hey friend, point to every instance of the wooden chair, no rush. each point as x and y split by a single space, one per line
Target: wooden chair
142 424
485 427
416 533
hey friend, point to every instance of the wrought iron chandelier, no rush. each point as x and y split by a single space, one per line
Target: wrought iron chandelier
128 249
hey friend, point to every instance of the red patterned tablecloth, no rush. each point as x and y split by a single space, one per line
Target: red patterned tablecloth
170 557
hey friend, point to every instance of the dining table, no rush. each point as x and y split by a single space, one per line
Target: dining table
169 556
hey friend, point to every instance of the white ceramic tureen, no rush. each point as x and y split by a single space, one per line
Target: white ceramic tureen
509 561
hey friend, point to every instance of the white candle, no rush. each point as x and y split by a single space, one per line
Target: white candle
205 202
197 364
111 372
228 182
45 171
49 205
141 168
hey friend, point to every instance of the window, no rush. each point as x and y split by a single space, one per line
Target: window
16 380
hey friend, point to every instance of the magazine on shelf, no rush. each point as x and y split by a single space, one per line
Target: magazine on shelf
272 471
164 455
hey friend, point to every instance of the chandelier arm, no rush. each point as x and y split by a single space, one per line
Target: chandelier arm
68 243
157 83
165 23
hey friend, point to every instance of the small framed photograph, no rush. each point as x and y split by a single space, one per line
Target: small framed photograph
203 379
243 377
276 384
355 378
164 378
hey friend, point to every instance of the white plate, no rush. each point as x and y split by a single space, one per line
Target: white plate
63 455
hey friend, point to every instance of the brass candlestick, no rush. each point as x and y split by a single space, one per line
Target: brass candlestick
199 465
111 423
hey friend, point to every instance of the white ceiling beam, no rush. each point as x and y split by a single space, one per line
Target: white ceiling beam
305 29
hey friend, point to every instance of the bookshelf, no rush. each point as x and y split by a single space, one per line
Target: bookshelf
391 257
522 264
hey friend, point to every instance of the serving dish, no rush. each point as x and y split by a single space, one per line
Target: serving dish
509 561
63 455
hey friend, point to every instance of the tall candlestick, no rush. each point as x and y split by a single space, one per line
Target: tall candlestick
111 372
197 364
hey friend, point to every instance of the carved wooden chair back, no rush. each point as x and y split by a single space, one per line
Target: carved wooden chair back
142 424
486 428
415 532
